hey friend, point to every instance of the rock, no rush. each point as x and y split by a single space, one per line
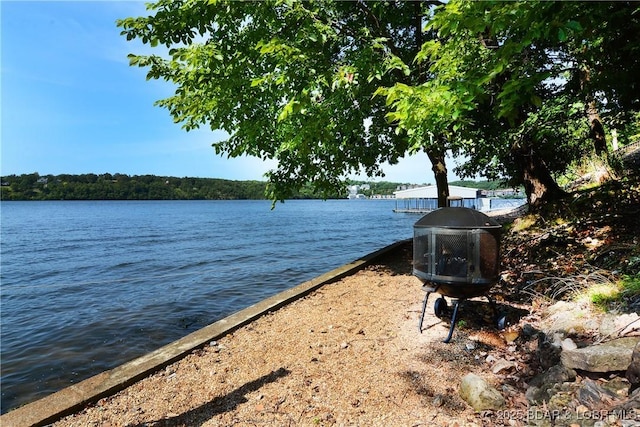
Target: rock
568 317
438 401
528 331
608 325
632 402
536 395
554 397
557 338
555 374
627 324
548 353
617 385
635 355
560 398
479 394
540 387
559 307
509 390
614 355
633 370
568 344
501 365
594 396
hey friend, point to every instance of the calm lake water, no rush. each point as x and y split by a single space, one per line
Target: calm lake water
87 286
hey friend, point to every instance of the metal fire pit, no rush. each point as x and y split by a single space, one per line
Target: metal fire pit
456 252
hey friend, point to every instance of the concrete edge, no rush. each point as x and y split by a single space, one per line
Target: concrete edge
71 399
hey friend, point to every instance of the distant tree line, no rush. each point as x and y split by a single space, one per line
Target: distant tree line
150 187
140 187
124 187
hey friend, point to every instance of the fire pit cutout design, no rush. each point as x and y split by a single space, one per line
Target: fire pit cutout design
456 252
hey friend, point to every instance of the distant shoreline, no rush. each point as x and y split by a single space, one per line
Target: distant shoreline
151 187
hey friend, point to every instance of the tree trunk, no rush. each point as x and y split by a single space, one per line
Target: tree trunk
436 155
597 130
439 169
539 185
595 124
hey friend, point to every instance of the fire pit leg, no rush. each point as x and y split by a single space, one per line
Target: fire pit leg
493 305
424 307
500 318
453 321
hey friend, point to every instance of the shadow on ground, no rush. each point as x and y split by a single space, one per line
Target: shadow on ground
203 413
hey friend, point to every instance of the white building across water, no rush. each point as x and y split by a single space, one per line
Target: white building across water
425 199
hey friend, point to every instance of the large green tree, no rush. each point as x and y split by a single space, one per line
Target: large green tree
521 86
293 81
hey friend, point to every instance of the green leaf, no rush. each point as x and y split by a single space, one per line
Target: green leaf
288 109
562 35
536 100
574 26
258 81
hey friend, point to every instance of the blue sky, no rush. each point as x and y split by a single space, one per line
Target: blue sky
72 104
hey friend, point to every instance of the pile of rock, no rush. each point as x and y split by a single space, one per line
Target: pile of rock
579 368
